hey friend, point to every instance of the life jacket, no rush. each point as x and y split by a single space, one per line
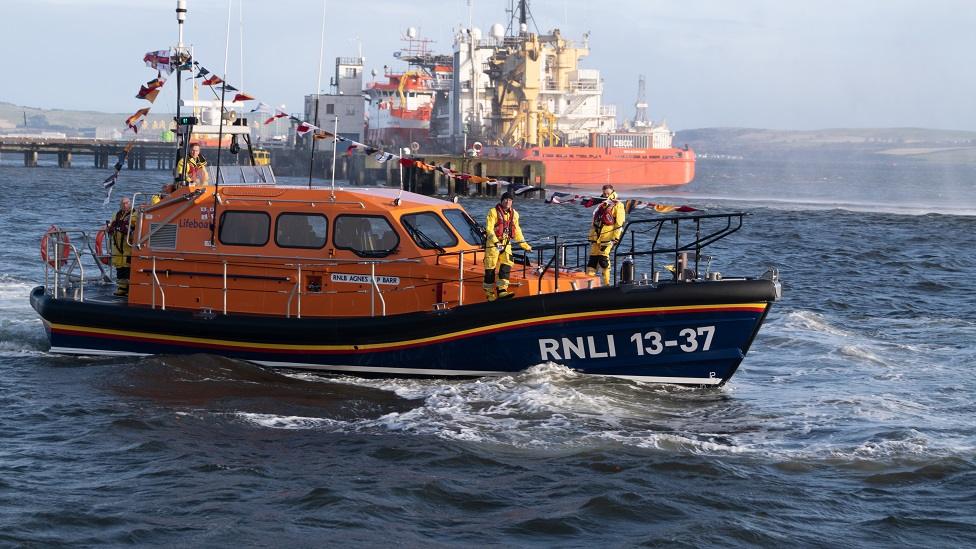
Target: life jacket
604 213
503 227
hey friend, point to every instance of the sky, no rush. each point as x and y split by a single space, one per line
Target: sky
780 64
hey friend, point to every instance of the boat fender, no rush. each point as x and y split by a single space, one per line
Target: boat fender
100 247
65 251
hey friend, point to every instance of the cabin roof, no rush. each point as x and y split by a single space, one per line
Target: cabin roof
372 196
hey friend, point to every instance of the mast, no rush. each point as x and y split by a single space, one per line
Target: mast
180 19
318 93
183 141
335 144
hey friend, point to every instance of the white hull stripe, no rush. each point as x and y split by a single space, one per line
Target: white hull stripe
92 352
407 371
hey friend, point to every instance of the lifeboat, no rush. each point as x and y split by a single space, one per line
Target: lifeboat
380 282
372 281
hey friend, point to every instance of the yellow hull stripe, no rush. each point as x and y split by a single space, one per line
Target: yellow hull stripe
756 307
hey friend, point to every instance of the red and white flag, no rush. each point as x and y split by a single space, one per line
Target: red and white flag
159 60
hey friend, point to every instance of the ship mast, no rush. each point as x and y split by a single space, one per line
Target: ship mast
183 141
640 116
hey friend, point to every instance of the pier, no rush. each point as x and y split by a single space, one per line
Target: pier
358 169
145 155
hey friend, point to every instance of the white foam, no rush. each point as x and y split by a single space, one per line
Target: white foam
21 330
272 421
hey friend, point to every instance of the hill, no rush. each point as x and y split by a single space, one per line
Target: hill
918 143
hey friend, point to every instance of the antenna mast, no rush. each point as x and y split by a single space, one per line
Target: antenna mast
180 19
640 117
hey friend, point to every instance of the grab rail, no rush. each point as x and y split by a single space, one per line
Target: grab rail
733 222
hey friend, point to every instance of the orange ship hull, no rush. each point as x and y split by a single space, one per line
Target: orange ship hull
595 166
592 167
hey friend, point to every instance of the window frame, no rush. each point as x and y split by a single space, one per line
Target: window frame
370 255
447 226
220 230
325 241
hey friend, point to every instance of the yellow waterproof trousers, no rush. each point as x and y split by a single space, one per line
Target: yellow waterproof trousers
501 260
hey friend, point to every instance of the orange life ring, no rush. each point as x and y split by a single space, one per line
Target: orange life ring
100 247
65 251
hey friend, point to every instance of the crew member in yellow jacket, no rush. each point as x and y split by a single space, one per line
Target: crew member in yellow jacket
196 168
118 234
502 228
605 232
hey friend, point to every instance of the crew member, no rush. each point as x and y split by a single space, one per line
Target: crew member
196 168
605 232
118 233
502 227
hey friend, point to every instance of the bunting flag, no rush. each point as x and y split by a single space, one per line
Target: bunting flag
151 89
629 205
159 60
304 127
322 134
123 154
521 188
111 180
561 198
108 185
277 115
131 121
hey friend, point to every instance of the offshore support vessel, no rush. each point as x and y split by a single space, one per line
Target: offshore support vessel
384 282
521 95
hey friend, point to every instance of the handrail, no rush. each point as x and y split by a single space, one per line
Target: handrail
157 283
376 287
700 241
60 242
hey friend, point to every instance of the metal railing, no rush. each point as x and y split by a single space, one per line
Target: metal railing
71 257
705 233
66 262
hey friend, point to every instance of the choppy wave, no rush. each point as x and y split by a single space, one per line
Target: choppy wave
21 330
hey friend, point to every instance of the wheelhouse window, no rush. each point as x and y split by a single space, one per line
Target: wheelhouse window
365 235
465 226
238 228
301 230
428 230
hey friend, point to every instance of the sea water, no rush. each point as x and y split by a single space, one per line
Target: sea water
851 422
